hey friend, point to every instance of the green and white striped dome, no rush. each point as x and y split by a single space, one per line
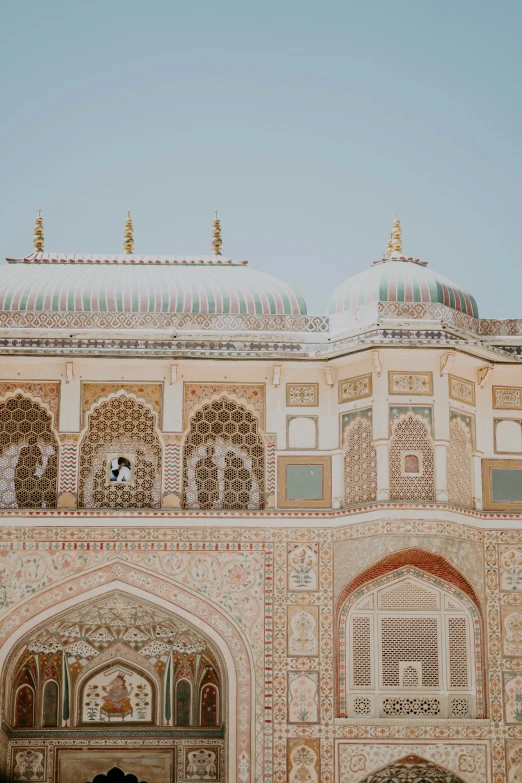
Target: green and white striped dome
400 280
47 282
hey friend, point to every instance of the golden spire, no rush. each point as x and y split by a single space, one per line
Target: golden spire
394 246
216 236
128 236
38 237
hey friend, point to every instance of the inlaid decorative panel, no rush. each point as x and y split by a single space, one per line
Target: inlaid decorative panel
462 390
302 394
410 383
305 482
29 764
303 631
355 388
149 392
511 623
510 568
196 393
303 697
303 567
507 397
502 484
201 763
304 760
513 697
460 460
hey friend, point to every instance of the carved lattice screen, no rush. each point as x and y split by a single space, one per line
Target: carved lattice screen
120 425
360 463
411 434
460 464
224 459
28 456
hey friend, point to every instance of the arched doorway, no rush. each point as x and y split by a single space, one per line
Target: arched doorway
412 769
116 775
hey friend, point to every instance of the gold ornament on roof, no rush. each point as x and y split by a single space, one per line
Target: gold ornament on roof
128 236
216 236
394 247
38 237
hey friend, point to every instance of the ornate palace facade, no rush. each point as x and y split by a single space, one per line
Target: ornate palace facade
242 543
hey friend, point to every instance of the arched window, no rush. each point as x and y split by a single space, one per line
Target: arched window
183 702
24 708
209 705
120 457
50 704
412 769
412 462
460 463
360 462
224 459
407 644
28 455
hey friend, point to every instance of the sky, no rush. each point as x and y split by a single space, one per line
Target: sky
305 124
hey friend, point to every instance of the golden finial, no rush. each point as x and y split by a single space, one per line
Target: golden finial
128 236
394 246
38 238
216 236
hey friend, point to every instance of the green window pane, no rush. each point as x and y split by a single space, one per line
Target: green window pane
506 485
304 482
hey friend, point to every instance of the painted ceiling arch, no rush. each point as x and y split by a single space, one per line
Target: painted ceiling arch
412 769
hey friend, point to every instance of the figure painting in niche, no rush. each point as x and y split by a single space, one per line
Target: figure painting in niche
117 698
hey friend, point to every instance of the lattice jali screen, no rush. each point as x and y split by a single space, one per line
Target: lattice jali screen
458 644
411 433
360 463
224 459
28 455
408 648
410 639
120 425
460 464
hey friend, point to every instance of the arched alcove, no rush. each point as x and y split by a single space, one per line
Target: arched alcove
412 769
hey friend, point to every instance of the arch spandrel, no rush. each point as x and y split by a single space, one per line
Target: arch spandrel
204 615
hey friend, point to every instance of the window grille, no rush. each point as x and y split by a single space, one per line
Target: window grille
224 459
28 455
460 464
120 426
360 463
411 434
411 653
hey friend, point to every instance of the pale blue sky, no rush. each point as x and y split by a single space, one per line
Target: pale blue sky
306 124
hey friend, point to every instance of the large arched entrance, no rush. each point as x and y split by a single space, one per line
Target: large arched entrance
117 667
412 769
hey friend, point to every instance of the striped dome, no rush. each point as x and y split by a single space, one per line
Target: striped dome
142 284
400 280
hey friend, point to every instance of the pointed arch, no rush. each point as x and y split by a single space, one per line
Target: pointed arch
436 574
50 704
412 769
120 425
224 456
183 702
195 608
209 705
29 452
412 458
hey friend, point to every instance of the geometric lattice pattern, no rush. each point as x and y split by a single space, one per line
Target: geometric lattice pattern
412 769
224 459
28 456
120 425
360 463
460 464
407 596
410 639
410 433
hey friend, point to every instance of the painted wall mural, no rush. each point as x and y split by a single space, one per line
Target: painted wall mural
117 693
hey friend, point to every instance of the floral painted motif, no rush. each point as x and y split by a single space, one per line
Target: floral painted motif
511 569
410 383
513 697
29 764
303 697
303 761
302 567
512 631
302 630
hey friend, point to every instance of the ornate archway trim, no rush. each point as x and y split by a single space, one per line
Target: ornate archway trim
203 614
385 578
